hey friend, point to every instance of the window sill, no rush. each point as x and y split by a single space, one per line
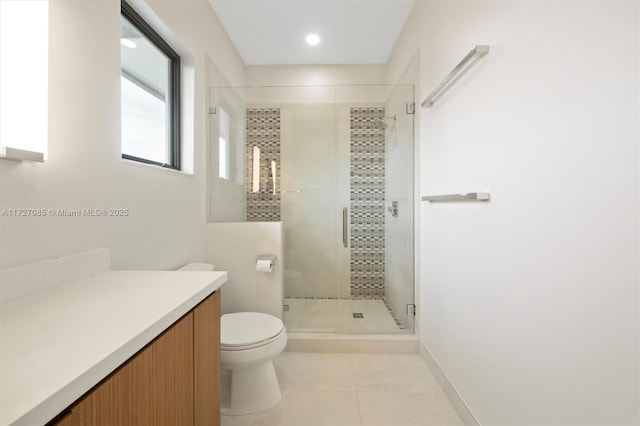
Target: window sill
15 154
155 167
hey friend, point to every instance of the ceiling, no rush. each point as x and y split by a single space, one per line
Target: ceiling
272 32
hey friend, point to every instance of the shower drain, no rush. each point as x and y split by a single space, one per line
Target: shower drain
358 315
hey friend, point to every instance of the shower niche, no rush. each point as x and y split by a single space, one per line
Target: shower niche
332 163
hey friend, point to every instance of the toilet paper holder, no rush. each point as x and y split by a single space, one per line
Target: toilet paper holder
265 262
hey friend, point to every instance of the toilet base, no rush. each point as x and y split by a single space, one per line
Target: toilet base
253 389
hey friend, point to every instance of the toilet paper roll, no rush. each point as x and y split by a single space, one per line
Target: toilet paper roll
264 265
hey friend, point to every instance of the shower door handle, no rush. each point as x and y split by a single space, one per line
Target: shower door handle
345 231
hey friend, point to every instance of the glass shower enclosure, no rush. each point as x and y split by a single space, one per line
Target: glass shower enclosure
334 164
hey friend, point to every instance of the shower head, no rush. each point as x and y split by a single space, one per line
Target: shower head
381 123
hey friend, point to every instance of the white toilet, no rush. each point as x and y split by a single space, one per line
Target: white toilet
249 341
248 344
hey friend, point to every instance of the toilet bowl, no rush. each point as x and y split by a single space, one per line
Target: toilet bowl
249 341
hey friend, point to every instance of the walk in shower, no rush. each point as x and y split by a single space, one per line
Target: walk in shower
334 164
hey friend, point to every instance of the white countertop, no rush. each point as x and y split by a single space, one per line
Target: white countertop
57 344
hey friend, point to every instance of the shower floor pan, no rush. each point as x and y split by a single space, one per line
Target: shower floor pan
347 316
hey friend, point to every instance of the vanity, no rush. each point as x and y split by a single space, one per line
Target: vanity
113 347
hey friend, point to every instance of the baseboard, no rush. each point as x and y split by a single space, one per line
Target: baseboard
454 397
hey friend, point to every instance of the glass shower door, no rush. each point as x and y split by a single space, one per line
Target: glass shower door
308 207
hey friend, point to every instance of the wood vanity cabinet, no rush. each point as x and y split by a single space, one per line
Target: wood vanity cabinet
173 381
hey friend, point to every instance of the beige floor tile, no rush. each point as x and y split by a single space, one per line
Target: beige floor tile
393 373
322 323
318 389
305 408
318 346
319 306
371 323
369 307
406 409
362 306
315 371
384 347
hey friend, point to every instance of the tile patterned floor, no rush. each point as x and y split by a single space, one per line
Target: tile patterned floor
336 315
352 389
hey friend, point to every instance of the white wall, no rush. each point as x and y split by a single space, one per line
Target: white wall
234 247
314 75
530 302
165 226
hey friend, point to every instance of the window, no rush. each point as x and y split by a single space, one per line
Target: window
23 77
150 93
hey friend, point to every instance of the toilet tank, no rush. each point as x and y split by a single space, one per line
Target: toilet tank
197 267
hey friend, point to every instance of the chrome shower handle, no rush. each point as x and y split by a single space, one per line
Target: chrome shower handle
345 231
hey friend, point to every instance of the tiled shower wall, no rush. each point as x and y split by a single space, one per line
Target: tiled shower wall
263 131
367 189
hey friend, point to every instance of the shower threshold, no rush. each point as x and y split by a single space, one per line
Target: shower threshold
343 316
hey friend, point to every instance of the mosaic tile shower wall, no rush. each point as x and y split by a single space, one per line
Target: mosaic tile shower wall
263 131
367 150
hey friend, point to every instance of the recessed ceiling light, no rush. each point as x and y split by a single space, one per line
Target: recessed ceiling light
313 39
128 43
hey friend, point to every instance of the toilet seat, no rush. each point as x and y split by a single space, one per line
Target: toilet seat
252 346
247 330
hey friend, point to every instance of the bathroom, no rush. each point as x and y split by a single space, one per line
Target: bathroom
529 300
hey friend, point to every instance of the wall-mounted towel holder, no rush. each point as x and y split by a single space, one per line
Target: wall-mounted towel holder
469 196
464 65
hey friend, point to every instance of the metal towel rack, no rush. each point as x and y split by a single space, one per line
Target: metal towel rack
469 196
475 54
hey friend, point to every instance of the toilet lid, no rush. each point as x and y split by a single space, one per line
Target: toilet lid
247 328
